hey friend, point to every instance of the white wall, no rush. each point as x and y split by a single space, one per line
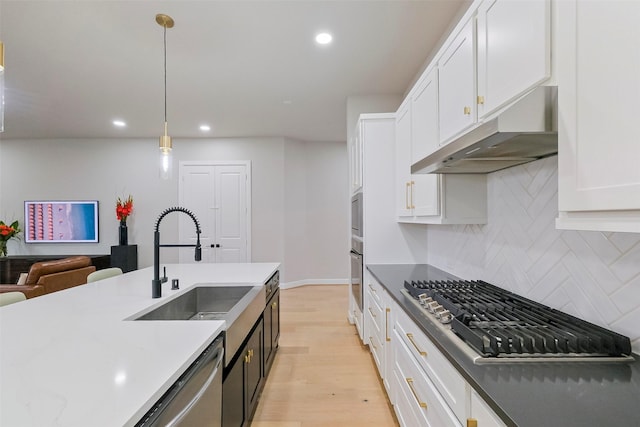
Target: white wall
106 169
592 275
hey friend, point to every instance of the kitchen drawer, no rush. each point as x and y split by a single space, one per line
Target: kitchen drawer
377 350
375 289
446 379
425 401
377 316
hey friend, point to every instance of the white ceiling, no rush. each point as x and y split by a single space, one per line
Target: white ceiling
72 67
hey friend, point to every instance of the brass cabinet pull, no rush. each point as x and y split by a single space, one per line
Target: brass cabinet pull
372 314
472 422
422 353
247 359
251 353
406 195
480 100
274 305
411 193
467 111
410 382
386 324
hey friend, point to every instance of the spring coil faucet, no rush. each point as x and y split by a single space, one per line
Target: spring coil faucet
156 288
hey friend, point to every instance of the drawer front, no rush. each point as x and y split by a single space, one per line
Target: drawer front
377 316
426 402
375 289
481 412
377 350
446 379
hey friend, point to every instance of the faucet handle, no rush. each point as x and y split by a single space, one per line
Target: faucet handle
164 275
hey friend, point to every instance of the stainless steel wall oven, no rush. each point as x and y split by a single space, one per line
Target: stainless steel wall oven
356 252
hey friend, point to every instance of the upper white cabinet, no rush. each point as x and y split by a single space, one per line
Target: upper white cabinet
416 195
598 90
513 50
355 163
430 198
457 84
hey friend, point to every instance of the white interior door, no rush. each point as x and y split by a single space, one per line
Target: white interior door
219 195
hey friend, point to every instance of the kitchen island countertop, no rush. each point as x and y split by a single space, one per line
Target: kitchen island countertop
71 358
563 394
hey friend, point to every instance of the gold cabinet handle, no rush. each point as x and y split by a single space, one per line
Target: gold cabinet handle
372 314
467 111
413 390
406 195
472 422
411 193
386 324
251 353
422 353
274 305
480 100
247 359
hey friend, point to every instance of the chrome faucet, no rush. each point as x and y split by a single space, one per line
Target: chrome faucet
156 289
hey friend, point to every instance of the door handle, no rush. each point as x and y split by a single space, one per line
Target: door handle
215 245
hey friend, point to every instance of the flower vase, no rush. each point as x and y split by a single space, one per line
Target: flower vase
123 234
3 248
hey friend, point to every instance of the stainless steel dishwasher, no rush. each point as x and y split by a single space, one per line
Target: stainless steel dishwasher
195 399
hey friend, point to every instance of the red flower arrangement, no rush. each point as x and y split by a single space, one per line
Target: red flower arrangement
124 209
7 232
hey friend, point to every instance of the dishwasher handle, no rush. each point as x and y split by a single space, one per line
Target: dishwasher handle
194 400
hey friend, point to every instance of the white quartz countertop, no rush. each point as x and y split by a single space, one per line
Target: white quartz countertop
71 359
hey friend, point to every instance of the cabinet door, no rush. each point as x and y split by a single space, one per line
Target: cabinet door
233 396
456 81
253 368
514 54
271 329
424 189
403 160
482 414
598 70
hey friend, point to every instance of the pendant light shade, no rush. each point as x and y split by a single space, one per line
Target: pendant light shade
166 162
1 87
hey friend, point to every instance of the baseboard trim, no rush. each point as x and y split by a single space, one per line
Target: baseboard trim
312 282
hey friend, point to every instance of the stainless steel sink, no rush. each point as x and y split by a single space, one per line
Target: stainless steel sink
200 303
239 306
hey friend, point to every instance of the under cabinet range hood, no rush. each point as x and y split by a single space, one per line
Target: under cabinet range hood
520 133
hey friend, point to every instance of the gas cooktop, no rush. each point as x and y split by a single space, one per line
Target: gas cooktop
500 326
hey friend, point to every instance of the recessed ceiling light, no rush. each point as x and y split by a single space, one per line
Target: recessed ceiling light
324 38
205 128
119 123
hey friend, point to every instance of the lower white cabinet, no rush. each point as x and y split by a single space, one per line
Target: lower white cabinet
377 327
422 385
482 414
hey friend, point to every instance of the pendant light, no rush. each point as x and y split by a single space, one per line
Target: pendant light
1 87
165 21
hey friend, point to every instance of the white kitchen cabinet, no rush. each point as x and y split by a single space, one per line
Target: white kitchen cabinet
424 116
377 318
457 84
431 198
513 50
598 89
482 414
355 163
416 195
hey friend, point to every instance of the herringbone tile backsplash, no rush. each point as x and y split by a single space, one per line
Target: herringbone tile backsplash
591 275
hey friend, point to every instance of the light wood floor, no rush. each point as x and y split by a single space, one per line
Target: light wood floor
322 375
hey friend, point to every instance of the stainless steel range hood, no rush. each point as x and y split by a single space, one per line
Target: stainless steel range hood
523 132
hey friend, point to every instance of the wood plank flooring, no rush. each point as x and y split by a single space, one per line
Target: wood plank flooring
322 375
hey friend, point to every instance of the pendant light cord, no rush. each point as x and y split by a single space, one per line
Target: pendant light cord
165 73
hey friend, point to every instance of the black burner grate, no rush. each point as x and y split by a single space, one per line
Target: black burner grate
498 323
